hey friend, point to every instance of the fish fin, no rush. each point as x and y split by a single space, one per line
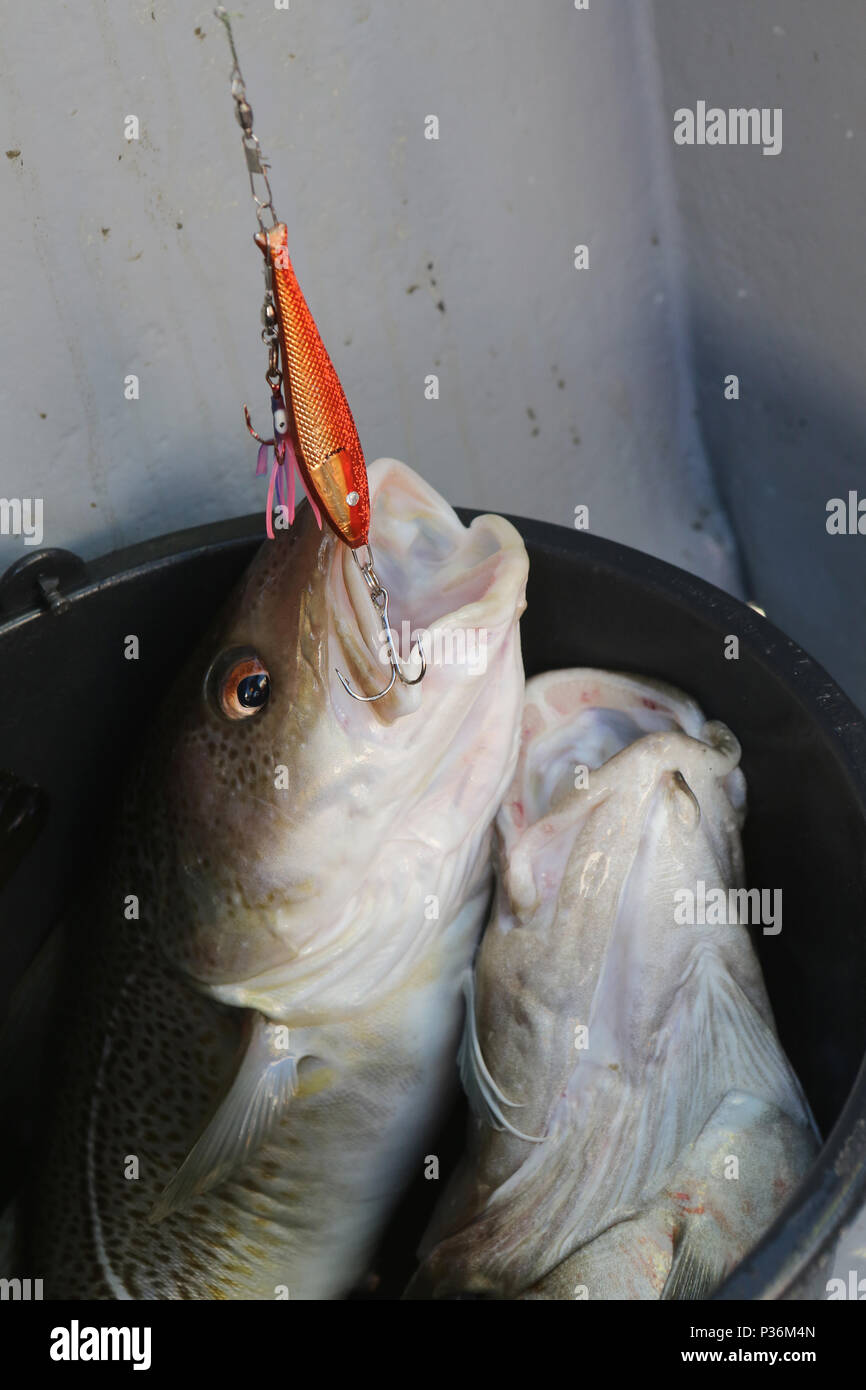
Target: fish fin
697 1268
723 1042
717 1221
265 1082
485 1098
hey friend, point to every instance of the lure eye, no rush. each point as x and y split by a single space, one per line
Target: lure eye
281 421
238 684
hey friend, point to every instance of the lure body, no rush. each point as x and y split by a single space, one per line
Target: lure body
327 448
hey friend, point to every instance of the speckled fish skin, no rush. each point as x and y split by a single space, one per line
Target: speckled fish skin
627 1195
307 908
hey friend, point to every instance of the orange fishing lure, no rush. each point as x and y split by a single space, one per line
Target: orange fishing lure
313 425
327 448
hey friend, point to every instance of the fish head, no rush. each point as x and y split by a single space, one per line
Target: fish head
289 835
576 776
618 807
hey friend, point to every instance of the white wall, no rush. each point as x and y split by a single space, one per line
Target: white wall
774 273
551 134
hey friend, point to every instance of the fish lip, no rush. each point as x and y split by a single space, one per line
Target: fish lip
557 700
541 814
480 567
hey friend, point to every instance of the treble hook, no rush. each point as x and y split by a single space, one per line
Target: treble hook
379 599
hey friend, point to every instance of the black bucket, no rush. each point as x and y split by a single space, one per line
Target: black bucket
74 709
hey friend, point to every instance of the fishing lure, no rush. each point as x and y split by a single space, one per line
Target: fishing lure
284 465
314 433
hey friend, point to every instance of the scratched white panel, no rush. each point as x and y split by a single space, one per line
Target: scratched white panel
558 387
773 267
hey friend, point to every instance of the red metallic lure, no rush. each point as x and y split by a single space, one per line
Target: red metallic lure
313 425
327 448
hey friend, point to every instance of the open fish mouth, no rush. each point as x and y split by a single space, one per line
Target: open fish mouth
583 718
450 587
576 723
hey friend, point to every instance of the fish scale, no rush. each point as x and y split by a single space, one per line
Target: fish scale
287 1223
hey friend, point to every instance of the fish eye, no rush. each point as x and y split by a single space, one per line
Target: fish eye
238 683
281 421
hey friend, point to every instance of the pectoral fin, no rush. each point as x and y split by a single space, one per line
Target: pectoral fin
699 1264
266 1080
485 1097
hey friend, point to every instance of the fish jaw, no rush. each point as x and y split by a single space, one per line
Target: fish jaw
583 935
297 858
581 718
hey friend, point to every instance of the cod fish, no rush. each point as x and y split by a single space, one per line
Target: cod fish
637 1125
262 1011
